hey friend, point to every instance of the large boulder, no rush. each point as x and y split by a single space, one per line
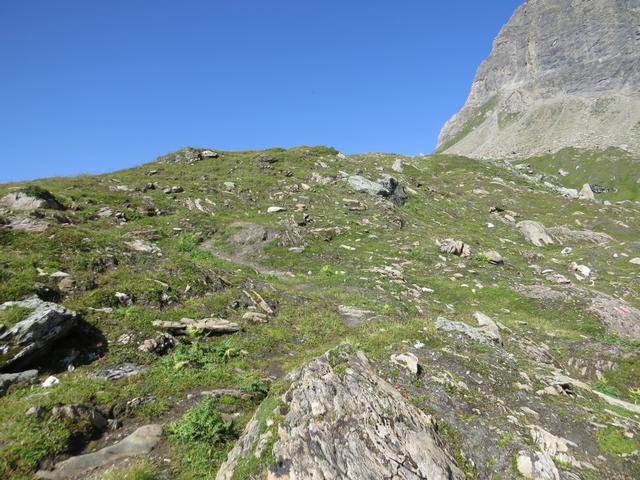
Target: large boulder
387 187
30 199
535 232
341 420
34 336
362 184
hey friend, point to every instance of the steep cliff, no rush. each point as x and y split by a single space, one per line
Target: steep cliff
562 73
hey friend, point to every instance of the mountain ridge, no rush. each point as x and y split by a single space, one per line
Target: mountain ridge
557 76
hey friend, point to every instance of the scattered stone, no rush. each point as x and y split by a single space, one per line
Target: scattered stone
488 327
143 246
454 247
78 413
27 225
596 188
37 412
63 281
34 336
276 209
537 466
555 447
208 154
354 316
566 235
354 205
160 344
117 372
266 158
477 334
586 193
209 326
535 233
398 165
340 399
255 317
139 443
253 299
635 261
60 218
28 377
396 191
540 292
124 299
567 251
228 392
408 361
581 269
50 381
619 317
362 184
494 257
387 187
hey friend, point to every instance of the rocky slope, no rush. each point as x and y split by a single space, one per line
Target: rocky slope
284 313
562 73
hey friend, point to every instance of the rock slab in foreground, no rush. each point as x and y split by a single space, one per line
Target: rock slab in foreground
343 421
140 442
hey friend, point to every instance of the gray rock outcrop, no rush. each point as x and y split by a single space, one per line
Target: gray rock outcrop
562 73
34 336
24 201
535 232
341 420
387 187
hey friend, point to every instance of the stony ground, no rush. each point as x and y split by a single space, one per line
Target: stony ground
175 299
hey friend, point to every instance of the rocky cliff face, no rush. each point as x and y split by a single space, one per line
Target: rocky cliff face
561 73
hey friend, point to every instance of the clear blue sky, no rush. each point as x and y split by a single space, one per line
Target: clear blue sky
92 86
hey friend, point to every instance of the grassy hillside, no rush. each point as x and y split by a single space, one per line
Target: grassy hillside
613 167
329 247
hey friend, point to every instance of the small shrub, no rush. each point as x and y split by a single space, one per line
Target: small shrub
603 386
258 387
634 394
38 192
203 423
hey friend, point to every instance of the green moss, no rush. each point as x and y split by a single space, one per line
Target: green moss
12 315
613 441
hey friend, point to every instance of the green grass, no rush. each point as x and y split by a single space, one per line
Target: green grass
203 424
182 282
12 315
613 441
140 470
611 167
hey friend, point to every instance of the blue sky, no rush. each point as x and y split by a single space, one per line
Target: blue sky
94 86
